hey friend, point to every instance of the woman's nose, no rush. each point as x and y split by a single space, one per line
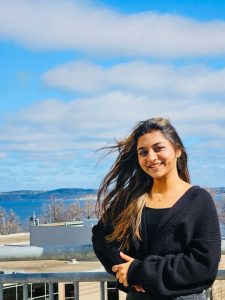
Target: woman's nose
151 156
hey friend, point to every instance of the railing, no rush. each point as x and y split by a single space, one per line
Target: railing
50 278
68 277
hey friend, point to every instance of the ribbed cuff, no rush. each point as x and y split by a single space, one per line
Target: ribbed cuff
134 270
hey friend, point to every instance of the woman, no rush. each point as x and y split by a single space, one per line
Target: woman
157 233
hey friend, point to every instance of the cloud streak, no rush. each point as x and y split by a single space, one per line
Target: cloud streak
66 25
64 136
89 123
137 76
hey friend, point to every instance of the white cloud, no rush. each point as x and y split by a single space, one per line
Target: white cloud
53 127
64 24
138 76
64 136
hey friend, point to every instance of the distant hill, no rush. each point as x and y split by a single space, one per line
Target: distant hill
66 194
63 193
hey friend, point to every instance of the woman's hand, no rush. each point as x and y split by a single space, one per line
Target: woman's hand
122 269
138 288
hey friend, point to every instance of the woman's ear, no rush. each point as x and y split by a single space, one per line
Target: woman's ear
178 153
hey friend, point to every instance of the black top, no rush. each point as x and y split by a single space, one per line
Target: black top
150 220
185 251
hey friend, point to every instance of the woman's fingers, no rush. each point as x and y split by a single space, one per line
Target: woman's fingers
138 288
125 257
121 276
121 272
115 268
125 283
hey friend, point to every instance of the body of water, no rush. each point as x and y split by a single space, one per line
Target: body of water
25 209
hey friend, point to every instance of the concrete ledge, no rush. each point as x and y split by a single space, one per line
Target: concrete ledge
59 252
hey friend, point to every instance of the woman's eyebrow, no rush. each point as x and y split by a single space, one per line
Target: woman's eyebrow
143 147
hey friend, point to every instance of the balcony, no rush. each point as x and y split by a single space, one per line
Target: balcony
76 279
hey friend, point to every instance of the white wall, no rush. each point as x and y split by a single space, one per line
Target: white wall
60 235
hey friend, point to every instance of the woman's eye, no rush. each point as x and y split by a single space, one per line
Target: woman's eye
143 153
157 149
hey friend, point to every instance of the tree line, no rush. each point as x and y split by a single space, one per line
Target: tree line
56 211
9 222
53 212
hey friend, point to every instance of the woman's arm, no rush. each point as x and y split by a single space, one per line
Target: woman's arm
107 253
191 270
173 274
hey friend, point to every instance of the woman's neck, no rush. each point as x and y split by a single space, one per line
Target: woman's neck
164 185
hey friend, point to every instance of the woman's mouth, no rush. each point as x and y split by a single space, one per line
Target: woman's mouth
154 166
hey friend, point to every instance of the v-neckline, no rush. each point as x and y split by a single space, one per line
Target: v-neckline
175 202
173 209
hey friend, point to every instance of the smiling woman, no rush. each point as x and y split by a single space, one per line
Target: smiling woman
156 154
157 233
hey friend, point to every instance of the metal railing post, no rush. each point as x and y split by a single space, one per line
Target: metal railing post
208 293
76 290
102 290
1 291
51 293
25 291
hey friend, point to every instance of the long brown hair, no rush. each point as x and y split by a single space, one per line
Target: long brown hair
120 198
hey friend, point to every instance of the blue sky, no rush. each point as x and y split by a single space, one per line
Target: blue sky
75 75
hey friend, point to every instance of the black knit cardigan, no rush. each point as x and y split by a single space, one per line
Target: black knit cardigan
185 251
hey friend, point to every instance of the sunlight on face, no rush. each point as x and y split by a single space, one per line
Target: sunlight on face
156 155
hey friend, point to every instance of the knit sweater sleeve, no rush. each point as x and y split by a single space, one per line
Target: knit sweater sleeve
108 253
193 269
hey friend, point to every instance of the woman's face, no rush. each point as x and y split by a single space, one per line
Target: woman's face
156 155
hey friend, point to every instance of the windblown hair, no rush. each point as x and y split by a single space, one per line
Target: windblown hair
121 195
